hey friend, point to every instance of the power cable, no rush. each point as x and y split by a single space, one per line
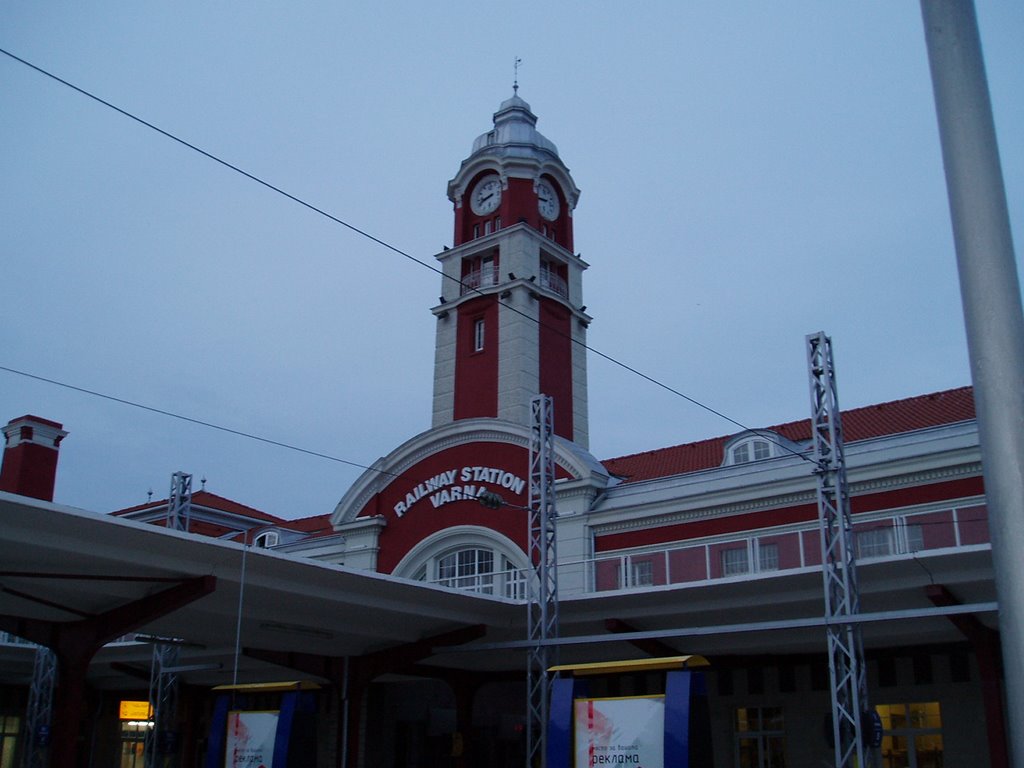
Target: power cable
252 177
189 419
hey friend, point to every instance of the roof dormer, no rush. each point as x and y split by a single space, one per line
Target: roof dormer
750 446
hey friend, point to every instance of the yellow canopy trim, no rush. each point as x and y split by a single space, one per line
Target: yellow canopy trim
633 665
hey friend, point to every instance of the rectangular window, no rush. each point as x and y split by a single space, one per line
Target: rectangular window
874 542
912 735
515 579
487 227
734 561
915 537
497 223
767 557
476 231
479 272
478 335
760 737
10 725
552 277
762 450
642 573
488 271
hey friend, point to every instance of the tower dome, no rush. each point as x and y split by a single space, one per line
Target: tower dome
513 149
515 133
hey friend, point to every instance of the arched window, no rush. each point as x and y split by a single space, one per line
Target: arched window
471 569
471 558
751 448
267 539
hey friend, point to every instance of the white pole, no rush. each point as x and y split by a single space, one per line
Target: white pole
990 292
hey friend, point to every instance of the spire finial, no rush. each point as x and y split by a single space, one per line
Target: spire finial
515 81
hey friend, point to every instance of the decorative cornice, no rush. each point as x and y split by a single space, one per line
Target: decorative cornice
787 500
917 478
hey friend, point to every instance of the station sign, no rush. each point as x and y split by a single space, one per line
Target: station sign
135 710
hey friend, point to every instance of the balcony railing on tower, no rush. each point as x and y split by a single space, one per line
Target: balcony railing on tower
554 283
484 277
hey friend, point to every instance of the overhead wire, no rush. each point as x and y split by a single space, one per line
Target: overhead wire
316 209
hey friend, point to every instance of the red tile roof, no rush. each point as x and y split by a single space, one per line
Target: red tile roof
890 418
212 501
317 525
314 526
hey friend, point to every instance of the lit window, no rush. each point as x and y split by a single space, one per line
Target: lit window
760 737
912 734
10 728
478 335
735 561
133 742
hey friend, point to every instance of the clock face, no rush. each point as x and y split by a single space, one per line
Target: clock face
547 200
486 196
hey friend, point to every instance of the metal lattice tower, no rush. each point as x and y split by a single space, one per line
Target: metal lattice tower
543 582
839 565
40 709
163 700
179 502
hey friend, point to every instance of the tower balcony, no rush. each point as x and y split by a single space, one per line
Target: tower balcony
484 277
554 283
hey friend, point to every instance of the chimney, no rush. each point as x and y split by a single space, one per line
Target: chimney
30 457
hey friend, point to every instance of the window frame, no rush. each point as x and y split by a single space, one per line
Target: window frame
267 539
732 568
479 334
419 564
766 740
750 447
911 730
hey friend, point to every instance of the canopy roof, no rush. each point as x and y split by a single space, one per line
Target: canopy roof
63 564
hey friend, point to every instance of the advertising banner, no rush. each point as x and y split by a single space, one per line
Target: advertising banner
250 742
626 732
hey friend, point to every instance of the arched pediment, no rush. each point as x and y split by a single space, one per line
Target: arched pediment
571 460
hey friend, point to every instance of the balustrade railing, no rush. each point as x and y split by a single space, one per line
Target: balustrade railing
554 283
484 277
768 552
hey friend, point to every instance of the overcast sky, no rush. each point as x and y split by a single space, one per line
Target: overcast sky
751 172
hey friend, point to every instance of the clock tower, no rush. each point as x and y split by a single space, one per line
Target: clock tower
511 322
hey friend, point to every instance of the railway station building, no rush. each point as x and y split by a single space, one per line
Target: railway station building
390 631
